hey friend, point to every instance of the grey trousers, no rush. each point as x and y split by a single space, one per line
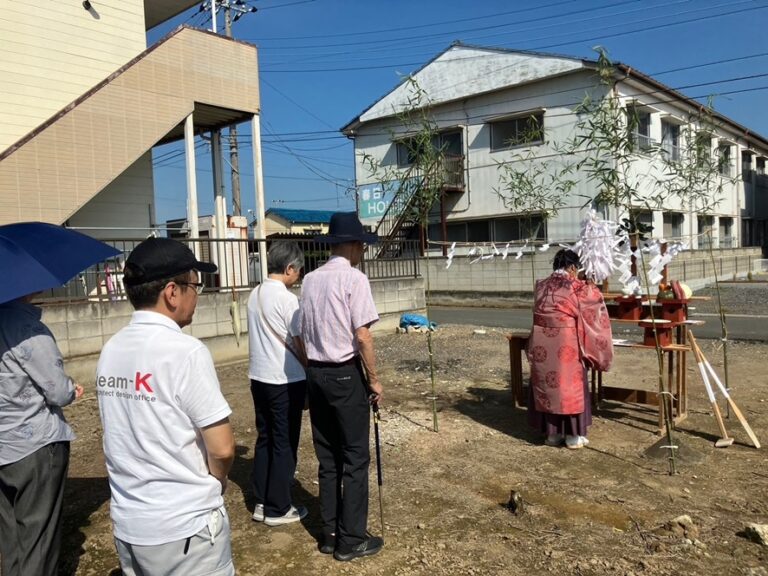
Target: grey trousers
31 494
207 553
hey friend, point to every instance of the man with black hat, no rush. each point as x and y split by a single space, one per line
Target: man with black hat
337 311
167 438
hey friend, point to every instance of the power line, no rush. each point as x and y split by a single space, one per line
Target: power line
716 62
458 31
292 101
415 27
284 5
541 47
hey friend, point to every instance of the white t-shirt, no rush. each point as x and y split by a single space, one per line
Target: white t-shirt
157 387
270 362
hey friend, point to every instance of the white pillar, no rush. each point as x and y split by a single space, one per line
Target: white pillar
220 209
189 157
258 177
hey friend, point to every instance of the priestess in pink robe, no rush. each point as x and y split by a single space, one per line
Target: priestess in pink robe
571 331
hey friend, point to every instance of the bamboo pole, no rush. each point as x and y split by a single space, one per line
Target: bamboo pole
665 396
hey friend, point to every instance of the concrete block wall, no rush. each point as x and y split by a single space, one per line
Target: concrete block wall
82 329
489 276
497 276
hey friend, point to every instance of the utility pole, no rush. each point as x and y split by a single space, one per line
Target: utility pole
240 8
234 161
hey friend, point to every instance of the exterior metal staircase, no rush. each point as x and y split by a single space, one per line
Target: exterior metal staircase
400 223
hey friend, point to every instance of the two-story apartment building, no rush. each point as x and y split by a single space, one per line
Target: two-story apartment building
482 100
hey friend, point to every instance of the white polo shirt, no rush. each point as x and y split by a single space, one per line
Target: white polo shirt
157 387
270 362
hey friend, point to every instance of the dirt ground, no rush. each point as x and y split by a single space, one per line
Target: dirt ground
601 510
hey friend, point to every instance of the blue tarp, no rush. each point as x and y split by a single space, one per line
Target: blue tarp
416 320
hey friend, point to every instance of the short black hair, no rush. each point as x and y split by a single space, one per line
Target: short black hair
565 259
282 254
143 296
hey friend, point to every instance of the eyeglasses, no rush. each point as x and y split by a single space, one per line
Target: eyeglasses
197 285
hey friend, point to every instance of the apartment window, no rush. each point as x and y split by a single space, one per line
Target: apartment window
726 232
724 159
746 166
639 125
706 224
673 225
703 149
641 217
499 230
408 151
670 140
517 228
473 231
448 143
760 166
523 130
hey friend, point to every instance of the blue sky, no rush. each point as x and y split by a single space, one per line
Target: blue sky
322 62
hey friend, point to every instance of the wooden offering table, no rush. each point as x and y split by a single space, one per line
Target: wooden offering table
517 345
673 367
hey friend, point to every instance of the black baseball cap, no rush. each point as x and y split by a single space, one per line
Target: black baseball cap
157 258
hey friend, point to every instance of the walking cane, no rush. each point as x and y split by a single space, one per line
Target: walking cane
379 475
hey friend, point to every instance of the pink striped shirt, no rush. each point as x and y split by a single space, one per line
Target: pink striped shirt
335 301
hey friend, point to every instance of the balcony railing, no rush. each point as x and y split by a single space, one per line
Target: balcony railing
641 142
453 172
238 262
671 151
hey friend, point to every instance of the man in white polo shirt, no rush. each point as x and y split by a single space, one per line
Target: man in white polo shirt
167 437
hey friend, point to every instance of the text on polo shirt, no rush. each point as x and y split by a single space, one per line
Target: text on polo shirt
122 387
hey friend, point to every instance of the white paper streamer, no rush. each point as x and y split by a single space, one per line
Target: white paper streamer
451 252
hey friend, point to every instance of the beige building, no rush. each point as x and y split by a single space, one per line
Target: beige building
83 101
290 221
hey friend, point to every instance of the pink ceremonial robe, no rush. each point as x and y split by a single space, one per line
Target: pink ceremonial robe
571 330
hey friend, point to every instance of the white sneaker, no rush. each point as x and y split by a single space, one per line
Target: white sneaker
575 442
295 514
258 513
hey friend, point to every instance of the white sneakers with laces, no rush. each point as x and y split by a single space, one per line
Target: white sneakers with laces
294 514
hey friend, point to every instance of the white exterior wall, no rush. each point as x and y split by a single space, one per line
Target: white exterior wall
126 201
51 52
731 202
557 96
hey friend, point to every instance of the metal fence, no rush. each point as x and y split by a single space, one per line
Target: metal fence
239 267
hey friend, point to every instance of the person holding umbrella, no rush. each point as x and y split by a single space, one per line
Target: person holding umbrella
34 435
337 311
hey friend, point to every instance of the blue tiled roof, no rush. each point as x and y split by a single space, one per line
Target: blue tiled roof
307 216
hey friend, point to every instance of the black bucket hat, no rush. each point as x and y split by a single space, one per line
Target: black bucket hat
157 258
346 227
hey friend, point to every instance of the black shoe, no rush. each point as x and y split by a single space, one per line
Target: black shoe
328 545
368 547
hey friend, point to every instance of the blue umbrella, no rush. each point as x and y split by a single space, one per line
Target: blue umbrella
36 256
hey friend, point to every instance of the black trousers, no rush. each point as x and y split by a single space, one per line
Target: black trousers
340 414
31 494
278 421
